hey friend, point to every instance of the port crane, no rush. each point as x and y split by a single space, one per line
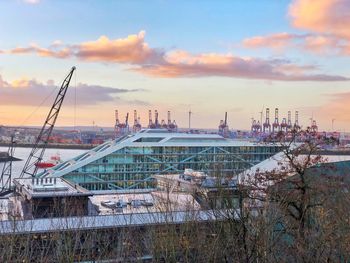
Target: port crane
37 153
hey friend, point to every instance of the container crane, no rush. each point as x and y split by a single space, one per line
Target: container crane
256 127
137 126
223 127
314 127
150 122
267 125
156 121
171 124
289 122
296 122
30 168
275 124
284 125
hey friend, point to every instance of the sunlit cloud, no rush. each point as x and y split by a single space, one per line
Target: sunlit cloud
323 16
18 91
315 43
277 41
130 50
133 50
183 64
327 21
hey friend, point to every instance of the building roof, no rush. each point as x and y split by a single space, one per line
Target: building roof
279 162
111 221
151 202
146 138
31 188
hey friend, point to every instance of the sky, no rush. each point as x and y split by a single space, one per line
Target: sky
209 57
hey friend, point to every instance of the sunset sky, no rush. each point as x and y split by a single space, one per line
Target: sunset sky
207 56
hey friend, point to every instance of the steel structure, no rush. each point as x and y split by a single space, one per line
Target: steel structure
289 123
6 174
275 124
137 125
296 122
38 150
267 125
223 127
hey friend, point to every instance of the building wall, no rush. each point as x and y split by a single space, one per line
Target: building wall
59 206
132 167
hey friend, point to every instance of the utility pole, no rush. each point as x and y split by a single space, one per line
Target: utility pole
333 125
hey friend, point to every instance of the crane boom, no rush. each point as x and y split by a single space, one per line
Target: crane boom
39 147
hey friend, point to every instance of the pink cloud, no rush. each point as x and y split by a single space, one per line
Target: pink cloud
133 50
184 64
315 43
327 21
277 41
322 16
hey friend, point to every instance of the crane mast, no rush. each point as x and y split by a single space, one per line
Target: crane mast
6 174
36 155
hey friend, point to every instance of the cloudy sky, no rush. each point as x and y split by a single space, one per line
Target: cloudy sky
207 56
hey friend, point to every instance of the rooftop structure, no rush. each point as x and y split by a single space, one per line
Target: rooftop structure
48 197
130 161
31 188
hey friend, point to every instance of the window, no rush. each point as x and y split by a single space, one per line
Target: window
149 139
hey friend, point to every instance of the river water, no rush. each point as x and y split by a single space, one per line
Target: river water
23 153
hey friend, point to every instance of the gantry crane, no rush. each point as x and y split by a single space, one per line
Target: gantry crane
37 153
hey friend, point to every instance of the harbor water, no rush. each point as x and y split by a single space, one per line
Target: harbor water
23 153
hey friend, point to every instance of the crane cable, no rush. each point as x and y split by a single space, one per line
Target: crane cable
75 100
38 107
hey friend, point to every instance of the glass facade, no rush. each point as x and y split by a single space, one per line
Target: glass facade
133 167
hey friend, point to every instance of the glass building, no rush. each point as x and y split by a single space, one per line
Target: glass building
131 161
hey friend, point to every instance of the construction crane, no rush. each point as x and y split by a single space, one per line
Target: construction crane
30 168
6 174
